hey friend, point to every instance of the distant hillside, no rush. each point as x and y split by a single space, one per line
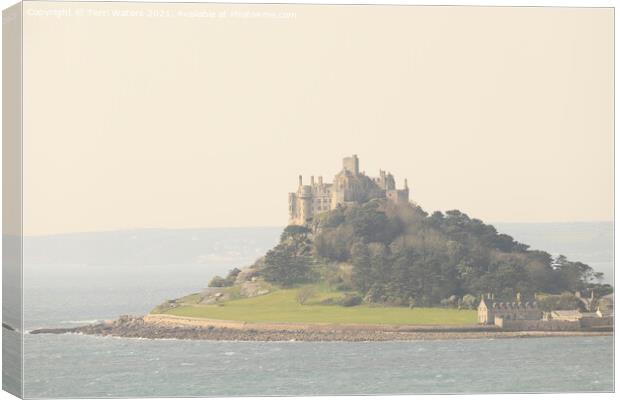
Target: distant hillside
152 246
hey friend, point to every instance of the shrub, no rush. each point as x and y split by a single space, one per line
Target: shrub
376 294
564 301
451 301
232 276
217 281
342 287
445 303
469 302
304 294
351 300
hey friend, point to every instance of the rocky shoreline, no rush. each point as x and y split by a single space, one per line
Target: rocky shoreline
141 327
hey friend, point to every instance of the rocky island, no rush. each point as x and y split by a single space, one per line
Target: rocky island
359 261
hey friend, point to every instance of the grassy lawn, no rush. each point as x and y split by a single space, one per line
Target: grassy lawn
282 306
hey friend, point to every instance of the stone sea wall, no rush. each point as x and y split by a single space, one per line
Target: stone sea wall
554 324
537 325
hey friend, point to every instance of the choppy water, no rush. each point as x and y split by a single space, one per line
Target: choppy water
87 366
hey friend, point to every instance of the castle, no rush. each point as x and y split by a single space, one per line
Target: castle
350 186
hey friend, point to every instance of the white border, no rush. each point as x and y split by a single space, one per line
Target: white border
523 3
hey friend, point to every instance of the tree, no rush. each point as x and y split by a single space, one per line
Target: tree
436 218
564 301
218 281
351 300
285 267
296 233
574 275
362 272
232 276
469 301
304 294
401 255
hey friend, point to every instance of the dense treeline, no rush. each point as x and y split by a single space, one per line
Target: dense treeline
401 255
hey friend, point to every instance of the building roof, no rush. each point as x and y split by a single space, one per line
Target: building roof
566 314
502 306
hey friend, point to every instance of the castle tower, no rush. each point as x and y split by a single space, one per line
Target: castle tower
351 164
305 204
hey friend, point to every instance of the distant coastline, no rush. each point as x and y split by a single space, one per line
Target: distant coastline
155 326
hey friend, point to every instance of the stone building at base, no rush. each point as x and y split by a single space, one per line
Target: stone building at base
489 311
519 316
349 186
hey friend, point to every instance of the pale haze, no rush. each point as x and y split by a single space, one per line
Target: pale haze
177 121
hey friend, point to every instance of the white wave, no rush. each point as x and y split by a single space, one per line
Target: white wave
82 321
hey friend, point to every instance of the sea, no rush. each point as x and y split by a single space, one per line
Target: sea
71 280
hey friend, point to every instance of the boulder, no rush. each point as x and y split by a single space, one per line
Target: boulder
252 289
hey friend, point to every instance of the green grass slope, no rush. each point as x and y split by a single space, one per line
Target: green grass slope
282 306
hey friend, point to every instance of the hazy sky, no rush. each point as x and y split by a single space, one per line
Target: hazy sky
205 120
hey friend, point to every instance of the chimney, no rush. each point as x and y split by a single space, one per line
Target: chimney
300 181
312 180
320 180
406 184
